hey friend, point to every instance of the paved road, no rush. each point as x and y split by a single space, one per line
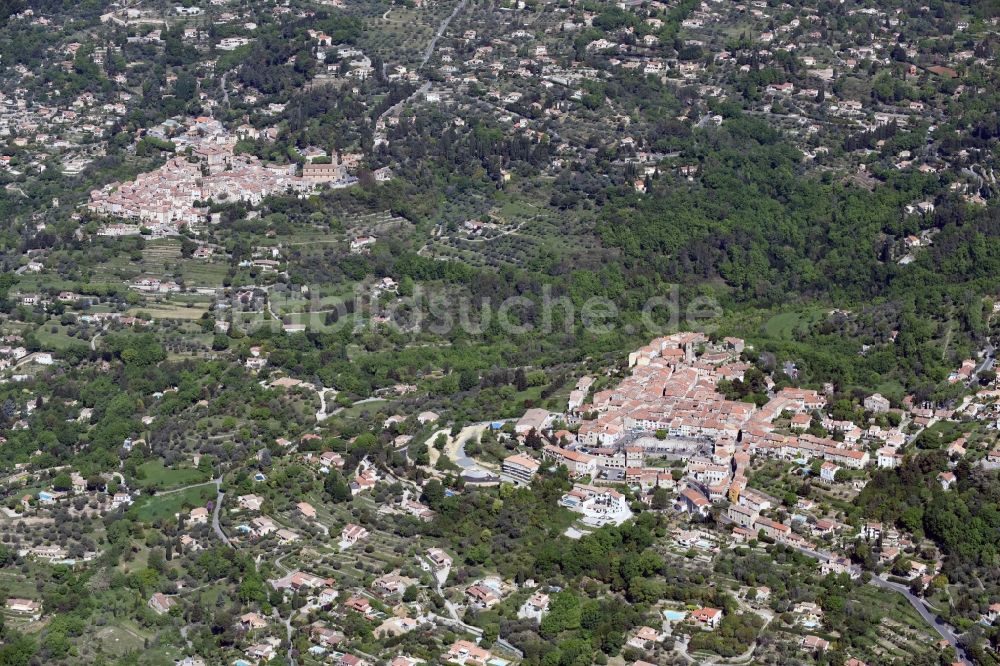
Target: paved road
429 51
989 358
288 631
215 512
225 93
322 414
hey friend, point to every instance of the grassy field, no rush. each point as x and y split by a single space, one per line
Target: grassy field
57 338
354 411
201 273
169 310
16 584
786 324
159 476
156 507
118 640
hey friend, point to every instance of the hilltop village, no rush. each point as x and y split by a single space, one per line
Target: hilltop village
692 433
297 362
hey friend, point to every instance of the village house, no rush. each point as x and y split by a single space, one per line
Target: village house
252 621
693 502
465 653
361 605
535 607
707 618
643 636
250 502
888 458
771 528
533 419
439 558
392 584
161 603
598 504
814 644
25 607
828 472
300 580
481 597
325 636
993 613
287 536
808 614
741 515
262 651
876 403
306 510
578 463
262 526
352 533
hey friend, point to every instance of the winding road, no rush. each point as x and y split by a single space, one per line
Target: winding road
945 630
322 414
219 495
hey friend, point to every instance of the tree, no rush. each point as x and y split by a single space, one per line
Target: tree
62 483
564 615
661 499
520 379
252 589
433 493
220 342
9 410
336 487
18 649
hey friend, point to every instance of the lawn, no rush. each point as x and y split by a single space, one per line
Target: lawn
58 339
15 584
785 325
201 273
158 507
156 475
119 640
355 411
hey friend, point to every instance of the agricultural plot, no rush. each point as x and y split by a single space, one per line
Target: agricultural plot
168 309
401 34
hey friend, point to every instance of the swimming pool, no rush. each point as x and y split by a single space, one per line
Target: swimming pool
674 616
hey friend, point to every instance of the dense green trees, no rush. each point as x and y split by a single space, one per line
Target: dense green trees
964 522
